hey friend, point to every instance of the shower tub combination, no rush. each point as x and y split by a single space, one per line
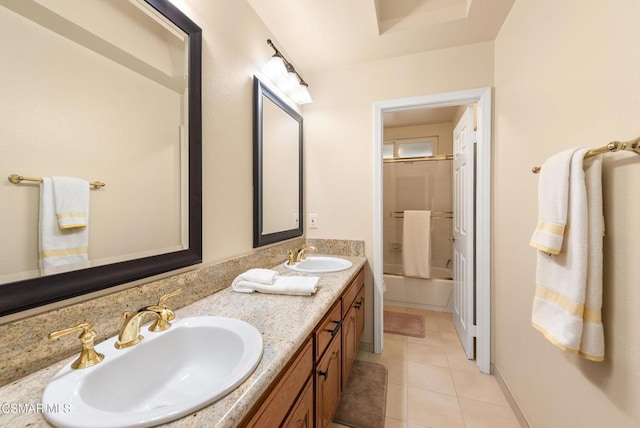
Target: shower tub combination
433 294
419 185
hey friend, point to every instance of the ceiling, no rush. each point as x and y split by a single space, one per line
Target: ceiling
422 116
318 35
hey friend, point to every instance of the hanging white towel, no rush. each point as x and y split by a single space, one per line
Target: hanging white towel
568 297
71 197
416 244
294 285
60 249
592 343
553 197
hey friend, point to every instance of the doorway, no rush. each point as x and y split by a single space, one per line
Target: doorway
482 97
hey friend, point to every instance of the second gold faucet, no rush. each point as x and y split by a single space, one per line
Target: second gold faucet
132 321
298 255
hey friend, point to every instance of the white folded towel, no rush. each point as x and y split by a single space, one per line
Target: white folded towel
295 285
263 276
416 244
72 201
568 298
553 198
60 249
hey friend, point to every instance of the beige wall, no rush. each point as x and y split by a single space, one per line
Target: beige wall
339 128
234 48
566 74
339 132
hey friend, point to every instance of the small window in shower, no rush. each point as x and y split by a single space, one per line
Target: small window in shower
416 149
388 151
410 148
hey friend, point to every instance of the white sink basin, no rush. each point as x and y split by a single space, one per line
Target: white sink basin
166 376
320 264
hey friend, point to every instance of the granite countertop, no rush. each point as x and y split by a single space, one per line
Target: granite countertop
284 321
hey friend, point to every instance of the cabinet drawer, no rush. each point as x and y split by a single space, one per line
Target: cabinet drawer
328 328
351 293
277 404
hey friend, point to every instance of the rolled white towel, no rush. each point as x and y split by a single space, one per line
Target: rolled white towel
294 285
262 276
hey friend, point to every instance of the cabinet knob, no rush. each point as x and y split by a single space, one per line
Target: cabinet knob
324 374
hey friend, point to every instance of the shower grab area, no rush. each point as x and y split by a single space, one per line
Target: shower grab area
419 184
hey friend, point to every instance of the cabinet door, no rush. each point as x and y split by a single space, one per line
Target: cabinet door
274 409
359 305
328 384
302 414
349 343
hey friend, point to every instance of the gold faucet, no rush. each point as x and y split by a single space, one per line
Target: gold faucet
88 356
296 256
132 321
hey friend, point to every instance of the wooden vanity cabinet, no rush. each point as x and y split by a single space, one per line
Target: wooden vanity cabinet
287 399
352 324
308 392
302 414
336 358
349 343
328 329
328 376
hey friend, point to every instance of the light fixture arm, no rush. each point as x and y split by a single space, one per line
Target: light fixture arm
288 65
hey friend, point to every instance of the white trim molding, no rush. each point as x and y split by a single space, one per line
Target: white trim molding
481 96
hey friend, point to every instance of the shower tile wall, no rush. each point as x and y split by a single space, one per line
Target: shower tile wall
421 185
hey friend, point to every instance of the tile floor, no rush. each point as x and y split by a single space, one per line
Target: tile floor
432 384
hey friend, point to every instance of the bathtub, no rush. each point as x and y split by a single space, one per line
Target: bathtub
429 294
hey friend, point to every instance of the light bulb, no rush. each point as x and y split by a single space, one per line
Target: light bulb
275 69
288 83
301 95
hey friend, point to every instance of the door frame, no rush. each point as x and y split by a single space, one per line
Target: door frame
482 97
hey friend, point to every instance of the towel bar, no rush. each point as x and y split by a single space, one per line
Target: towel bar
17 179
614 146
436 214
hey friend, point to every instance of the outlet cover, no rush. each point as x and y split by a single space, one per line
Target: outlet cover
313 221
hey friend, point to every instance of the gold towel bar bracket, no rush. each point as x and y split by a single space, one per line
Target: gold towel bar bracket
17 179
614 146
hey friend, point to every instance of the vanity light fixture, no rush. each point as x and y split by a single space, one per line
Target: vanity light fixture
286 78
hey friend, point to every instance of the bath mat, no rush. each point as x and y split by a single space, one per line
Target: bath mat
364 399
404 324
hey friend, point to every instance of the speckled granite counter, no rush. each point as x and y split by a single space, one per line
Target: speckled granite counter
284 321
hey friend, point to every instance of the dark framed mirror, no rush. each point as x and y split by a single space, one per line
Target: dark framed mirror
160 49
277 167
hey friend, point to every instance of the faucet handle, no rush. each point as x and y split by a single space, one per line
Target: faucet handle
164 313
88 356
168 295
292 257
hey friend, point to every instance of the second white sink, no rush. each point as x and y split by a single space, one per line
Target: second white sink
166 376
320 264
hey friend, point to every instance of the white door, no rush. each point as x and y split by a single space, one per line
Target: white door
463 231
